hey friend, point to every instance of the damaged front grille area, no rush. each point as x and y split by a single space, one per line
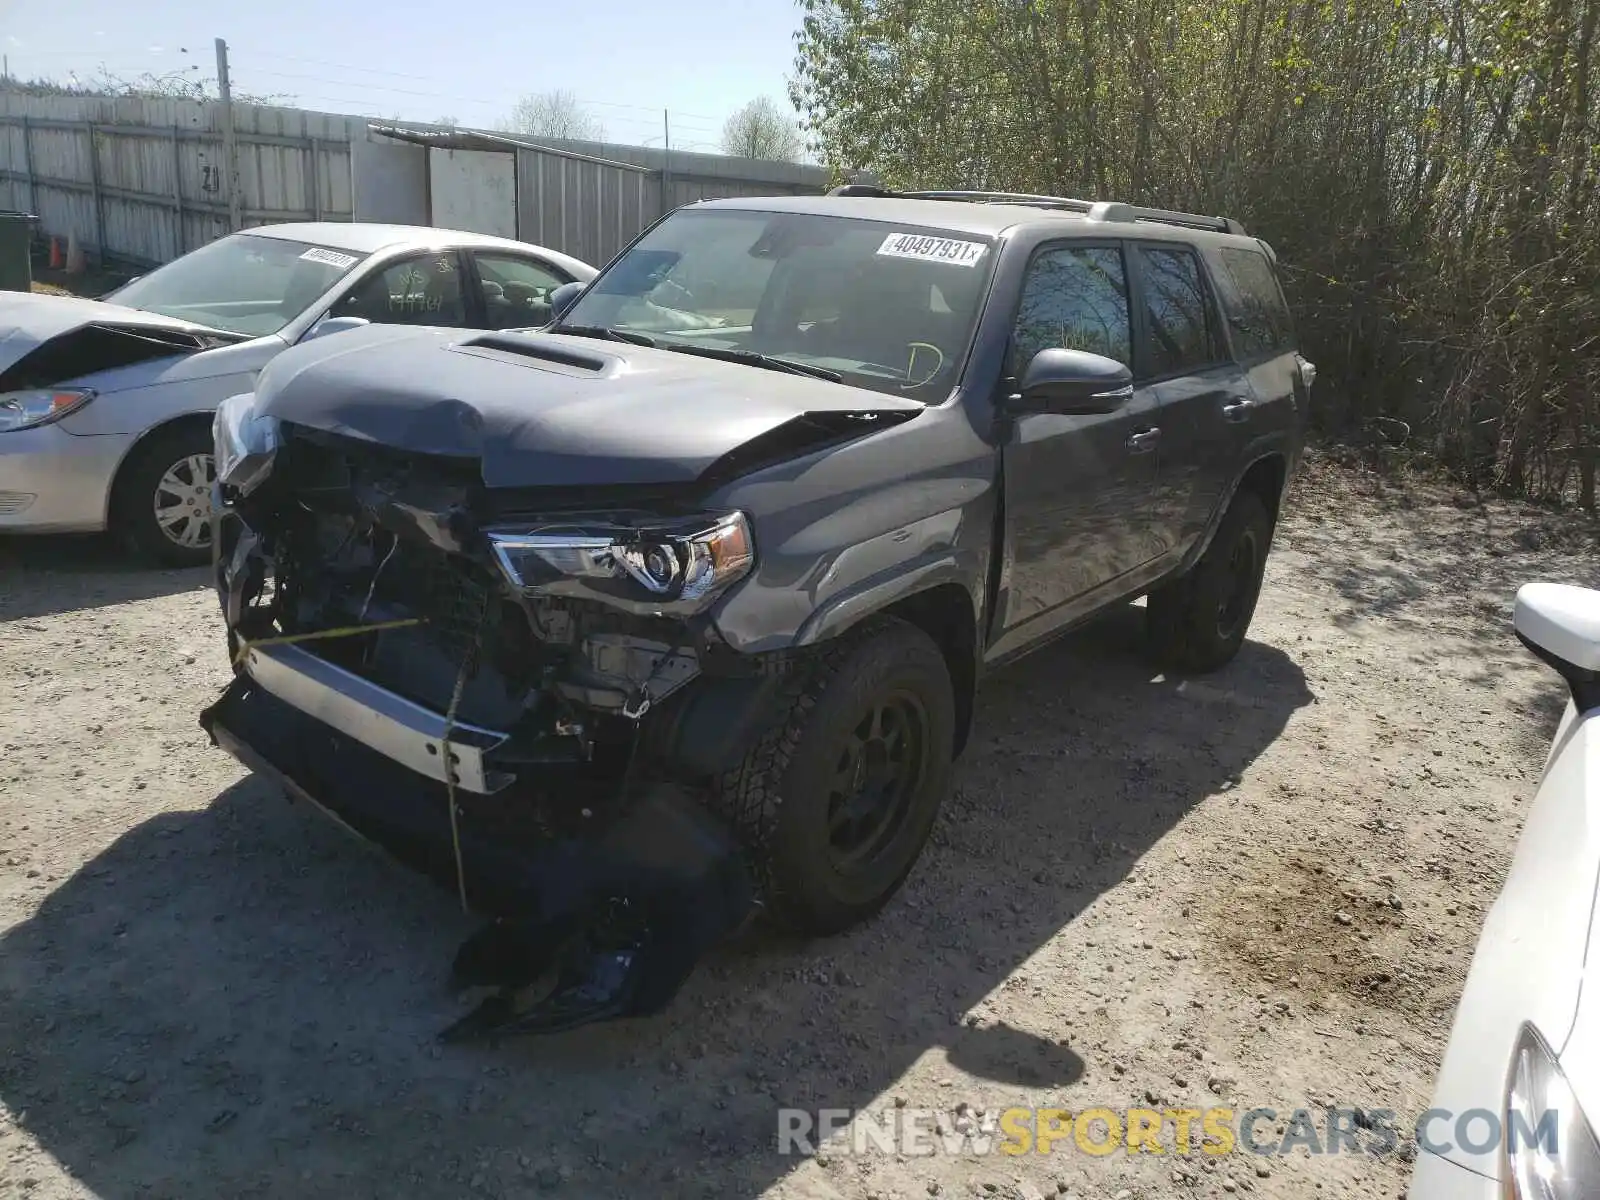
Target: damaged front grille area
586 836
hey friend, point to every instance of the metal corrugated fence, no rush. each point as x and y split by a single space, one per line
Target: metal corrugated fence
144 180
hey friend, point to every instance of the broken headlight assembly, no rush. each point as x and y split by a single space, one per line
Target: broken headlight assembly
245 444
32 407
685 564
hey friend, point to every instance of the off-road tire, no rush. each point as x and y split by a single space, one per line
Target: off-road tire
778 797
132 497
1185 617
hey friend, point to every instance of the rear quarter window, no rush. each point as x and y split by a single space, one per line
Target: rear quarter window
1253 302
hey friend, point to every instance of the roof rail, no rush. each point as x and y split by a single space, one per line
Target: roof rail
1101 210
1026 198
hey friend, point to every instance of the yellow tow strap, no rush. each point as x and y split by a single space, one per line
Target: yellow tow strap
343 631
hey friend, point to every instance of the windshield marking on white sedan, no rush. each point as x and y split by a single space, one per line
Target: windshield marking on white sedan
332 257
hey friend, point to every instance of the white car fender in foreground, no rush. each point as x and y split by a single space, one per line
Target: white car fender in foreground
1537 957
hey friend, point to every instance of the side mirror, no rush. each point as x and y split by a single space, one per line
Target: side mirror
1560 623
561 299
1074 382
334 325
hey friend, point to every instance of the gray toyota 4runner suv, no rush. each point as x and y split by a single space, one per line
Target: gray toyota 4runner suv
677 608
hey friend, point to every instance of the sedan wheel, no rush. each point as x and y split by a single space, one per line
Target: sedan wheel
162 499
182 502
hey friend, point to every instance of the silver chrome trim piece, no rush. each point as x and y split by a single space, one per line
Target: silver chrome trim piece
392 725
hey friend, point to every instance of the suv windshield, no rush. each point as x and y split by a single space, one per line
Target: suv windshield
242 283
884 306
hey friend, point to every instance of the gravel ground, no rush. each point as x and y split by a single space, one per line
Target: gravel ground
1257 889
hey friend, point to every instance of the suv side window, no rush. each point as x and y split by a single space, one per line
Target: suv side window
1075 297
1183 335
424 290
1255 305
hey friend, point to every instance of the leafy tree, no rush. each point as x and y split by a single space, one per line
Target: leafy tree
763 129
1426 170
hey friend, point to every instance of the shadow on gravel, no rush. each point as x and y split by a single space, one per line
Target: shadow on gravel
239 1001
44 575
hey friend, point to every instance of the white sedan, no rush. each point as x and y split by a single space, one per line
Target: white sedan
105 405
1520 1082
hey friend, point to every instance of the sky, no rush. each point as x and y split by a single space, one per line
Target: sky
626 59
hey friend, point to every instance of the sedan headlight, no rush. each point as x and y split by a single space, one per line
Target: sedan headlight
244 443
39 406
683 563
1550 1152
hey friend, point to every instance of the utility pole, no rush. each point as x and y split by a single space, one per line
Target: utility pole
230 144
666 163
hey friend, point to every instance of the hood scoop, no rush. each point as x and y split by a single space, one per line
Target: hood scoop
535 352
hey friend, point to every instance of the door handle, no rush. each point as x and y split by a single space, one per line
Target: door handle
1144 441
1237 408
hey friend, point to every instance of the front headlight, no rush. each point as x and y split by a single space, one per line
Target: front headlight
39 406
682 562
1549 1151
244 443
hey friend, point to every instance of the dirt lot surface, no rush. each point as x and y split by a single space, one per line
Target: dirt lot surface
1257 889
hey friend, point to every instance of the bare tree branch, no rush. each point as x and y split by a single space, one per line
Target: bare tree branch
556 114
763 128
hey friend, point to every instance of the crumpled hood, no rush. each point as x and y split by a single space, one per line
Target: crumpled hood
554 410
28 320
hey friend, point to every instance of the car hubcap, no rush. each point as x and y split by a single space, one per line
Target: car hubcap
1242 567
183 502
875 777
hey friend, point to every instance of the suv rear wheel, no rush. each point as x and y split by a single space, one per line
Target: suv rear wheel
1198 621
837 802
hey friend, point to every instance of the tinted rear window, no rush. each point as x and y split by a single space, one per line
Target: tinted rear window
1255 305
1178 314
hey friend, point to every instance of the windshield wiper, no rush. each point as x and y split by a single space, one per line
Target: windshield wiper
751 359
607 332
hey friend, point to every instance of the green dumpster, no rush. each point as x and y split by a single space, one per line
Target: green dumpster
16 243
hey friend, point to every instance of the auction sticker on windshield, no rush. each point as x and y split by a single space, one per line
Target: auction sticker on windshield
934 249
332 257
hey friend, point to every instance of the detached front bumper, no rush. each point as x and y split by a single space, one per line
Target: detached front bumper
618 913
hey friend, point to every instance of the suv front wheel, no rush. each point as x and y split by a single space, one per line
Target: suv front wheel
1198 621
837 802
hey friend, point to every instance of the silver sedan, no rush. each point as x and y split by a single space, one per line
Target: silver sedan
105 405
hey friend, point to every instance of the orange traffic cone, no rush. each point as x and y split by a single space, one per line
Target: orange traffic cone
55 253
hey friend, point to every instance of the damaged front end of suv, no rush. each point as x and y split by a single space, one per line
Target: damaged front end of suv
516 690
472 688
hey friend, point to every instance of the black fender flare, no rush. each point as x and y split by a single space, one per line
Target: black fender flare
1266 447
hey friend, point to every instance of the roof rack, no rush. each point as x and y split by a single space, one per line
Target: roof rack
1094 210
